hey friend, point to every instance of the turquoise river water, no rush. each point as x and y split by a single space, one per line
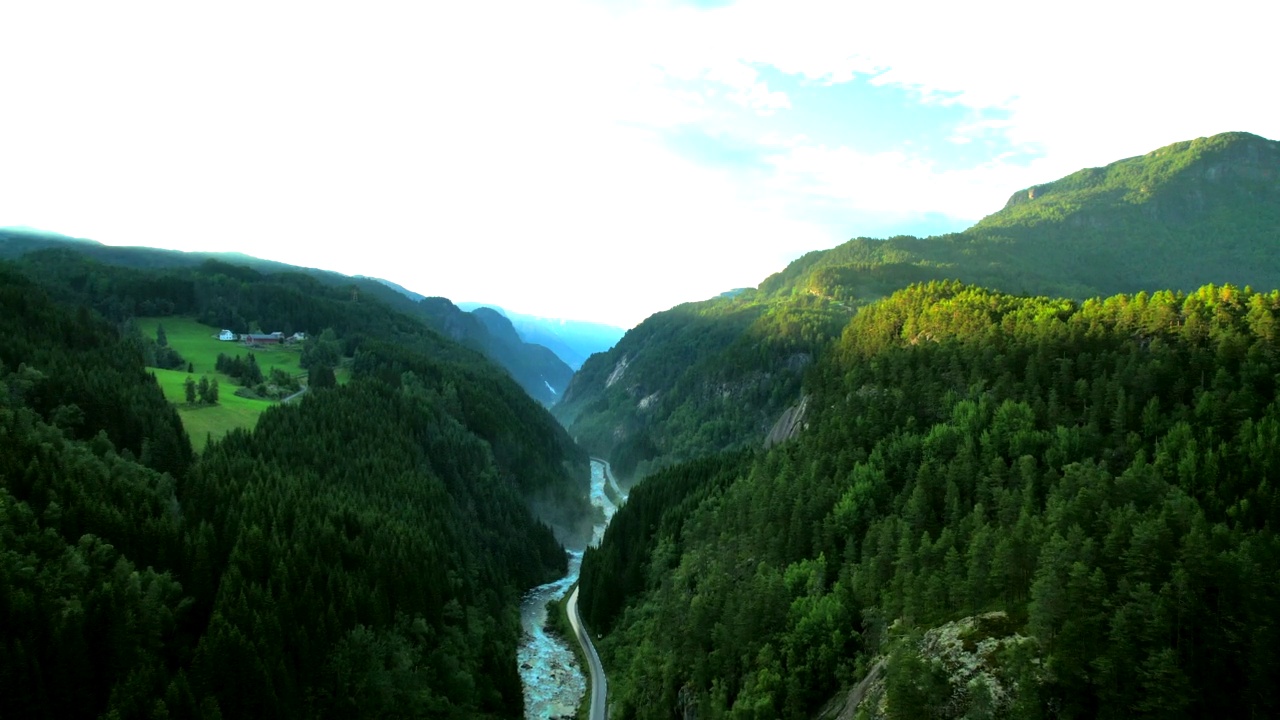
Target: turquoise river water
553 680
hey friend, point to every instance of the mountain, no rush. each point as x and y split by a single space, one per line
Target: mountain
719 374
1181 216
1000 507
19 240
541 362
16 242
573 341
361 552
416 297
542 377
220 295
696 379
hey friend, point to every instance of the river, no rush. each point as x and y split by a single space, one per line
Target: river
553 680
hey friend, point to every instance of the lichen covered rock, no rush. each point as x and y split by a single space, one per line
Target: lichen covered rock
974 667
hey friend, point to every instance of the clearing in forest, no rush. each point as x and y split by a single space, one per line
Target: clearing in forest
199 345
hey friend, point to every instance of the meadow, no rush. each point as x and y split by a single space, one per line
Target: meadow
199 345
210 422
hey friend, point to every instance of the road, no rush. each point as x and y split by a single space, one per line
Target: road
598 687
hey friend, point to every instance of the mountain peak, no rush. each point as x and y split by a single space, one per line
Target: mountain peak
1180 181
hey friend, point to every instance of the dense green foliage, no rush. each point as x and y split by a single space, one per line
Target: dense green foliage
1182 216
243 370
657 510
1101 471
531 365
697 379
1204 211
1104 472
83 379
359 554
339 322
533 452
407 557
89 617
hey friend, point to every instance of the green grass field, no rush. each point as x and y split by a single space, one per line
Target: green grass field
199 345
210 422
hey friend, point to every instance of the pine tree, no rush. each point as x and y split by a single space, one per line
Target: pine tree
321 376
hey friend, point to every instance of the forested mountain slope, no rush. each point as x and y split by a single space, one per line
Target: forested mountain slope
531 448
698 378
536 368
360 554
1104 473
1204 211
531 365
1188 214
543 363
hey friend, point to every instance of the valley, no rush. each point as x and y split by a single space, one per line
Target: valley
553 680
1027 470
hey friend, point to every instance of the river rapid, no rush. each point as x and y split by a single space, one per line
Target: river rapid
553 680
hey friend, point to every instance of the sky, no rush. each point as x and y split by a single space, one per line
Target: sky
595 161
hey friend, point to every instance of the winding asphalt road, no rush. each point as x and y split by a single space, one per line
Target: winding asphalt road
598 688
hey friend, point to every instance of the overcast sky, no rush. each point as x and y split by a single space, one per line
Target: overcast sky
590 160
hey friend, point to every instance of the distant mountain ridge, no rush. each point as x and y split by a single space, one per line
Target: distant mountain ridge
398 288
572 340
542 361
1186 215
534 368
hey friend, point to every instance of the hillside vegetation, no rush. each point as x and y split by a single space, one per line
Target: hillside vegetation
1204 211
698 378
278 574
1103 473
538 371
226 296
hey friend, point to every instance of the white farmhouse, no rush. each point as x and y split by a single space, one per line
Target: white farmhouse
227 335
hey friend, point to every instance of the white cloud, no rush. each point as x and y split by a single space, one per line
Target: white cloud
453 148
1083 86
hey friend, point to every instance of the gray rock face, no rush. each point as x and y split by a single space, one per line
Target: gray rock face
789 424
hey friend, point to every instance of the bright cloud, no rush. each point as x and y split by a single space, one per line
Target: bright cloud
455 149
